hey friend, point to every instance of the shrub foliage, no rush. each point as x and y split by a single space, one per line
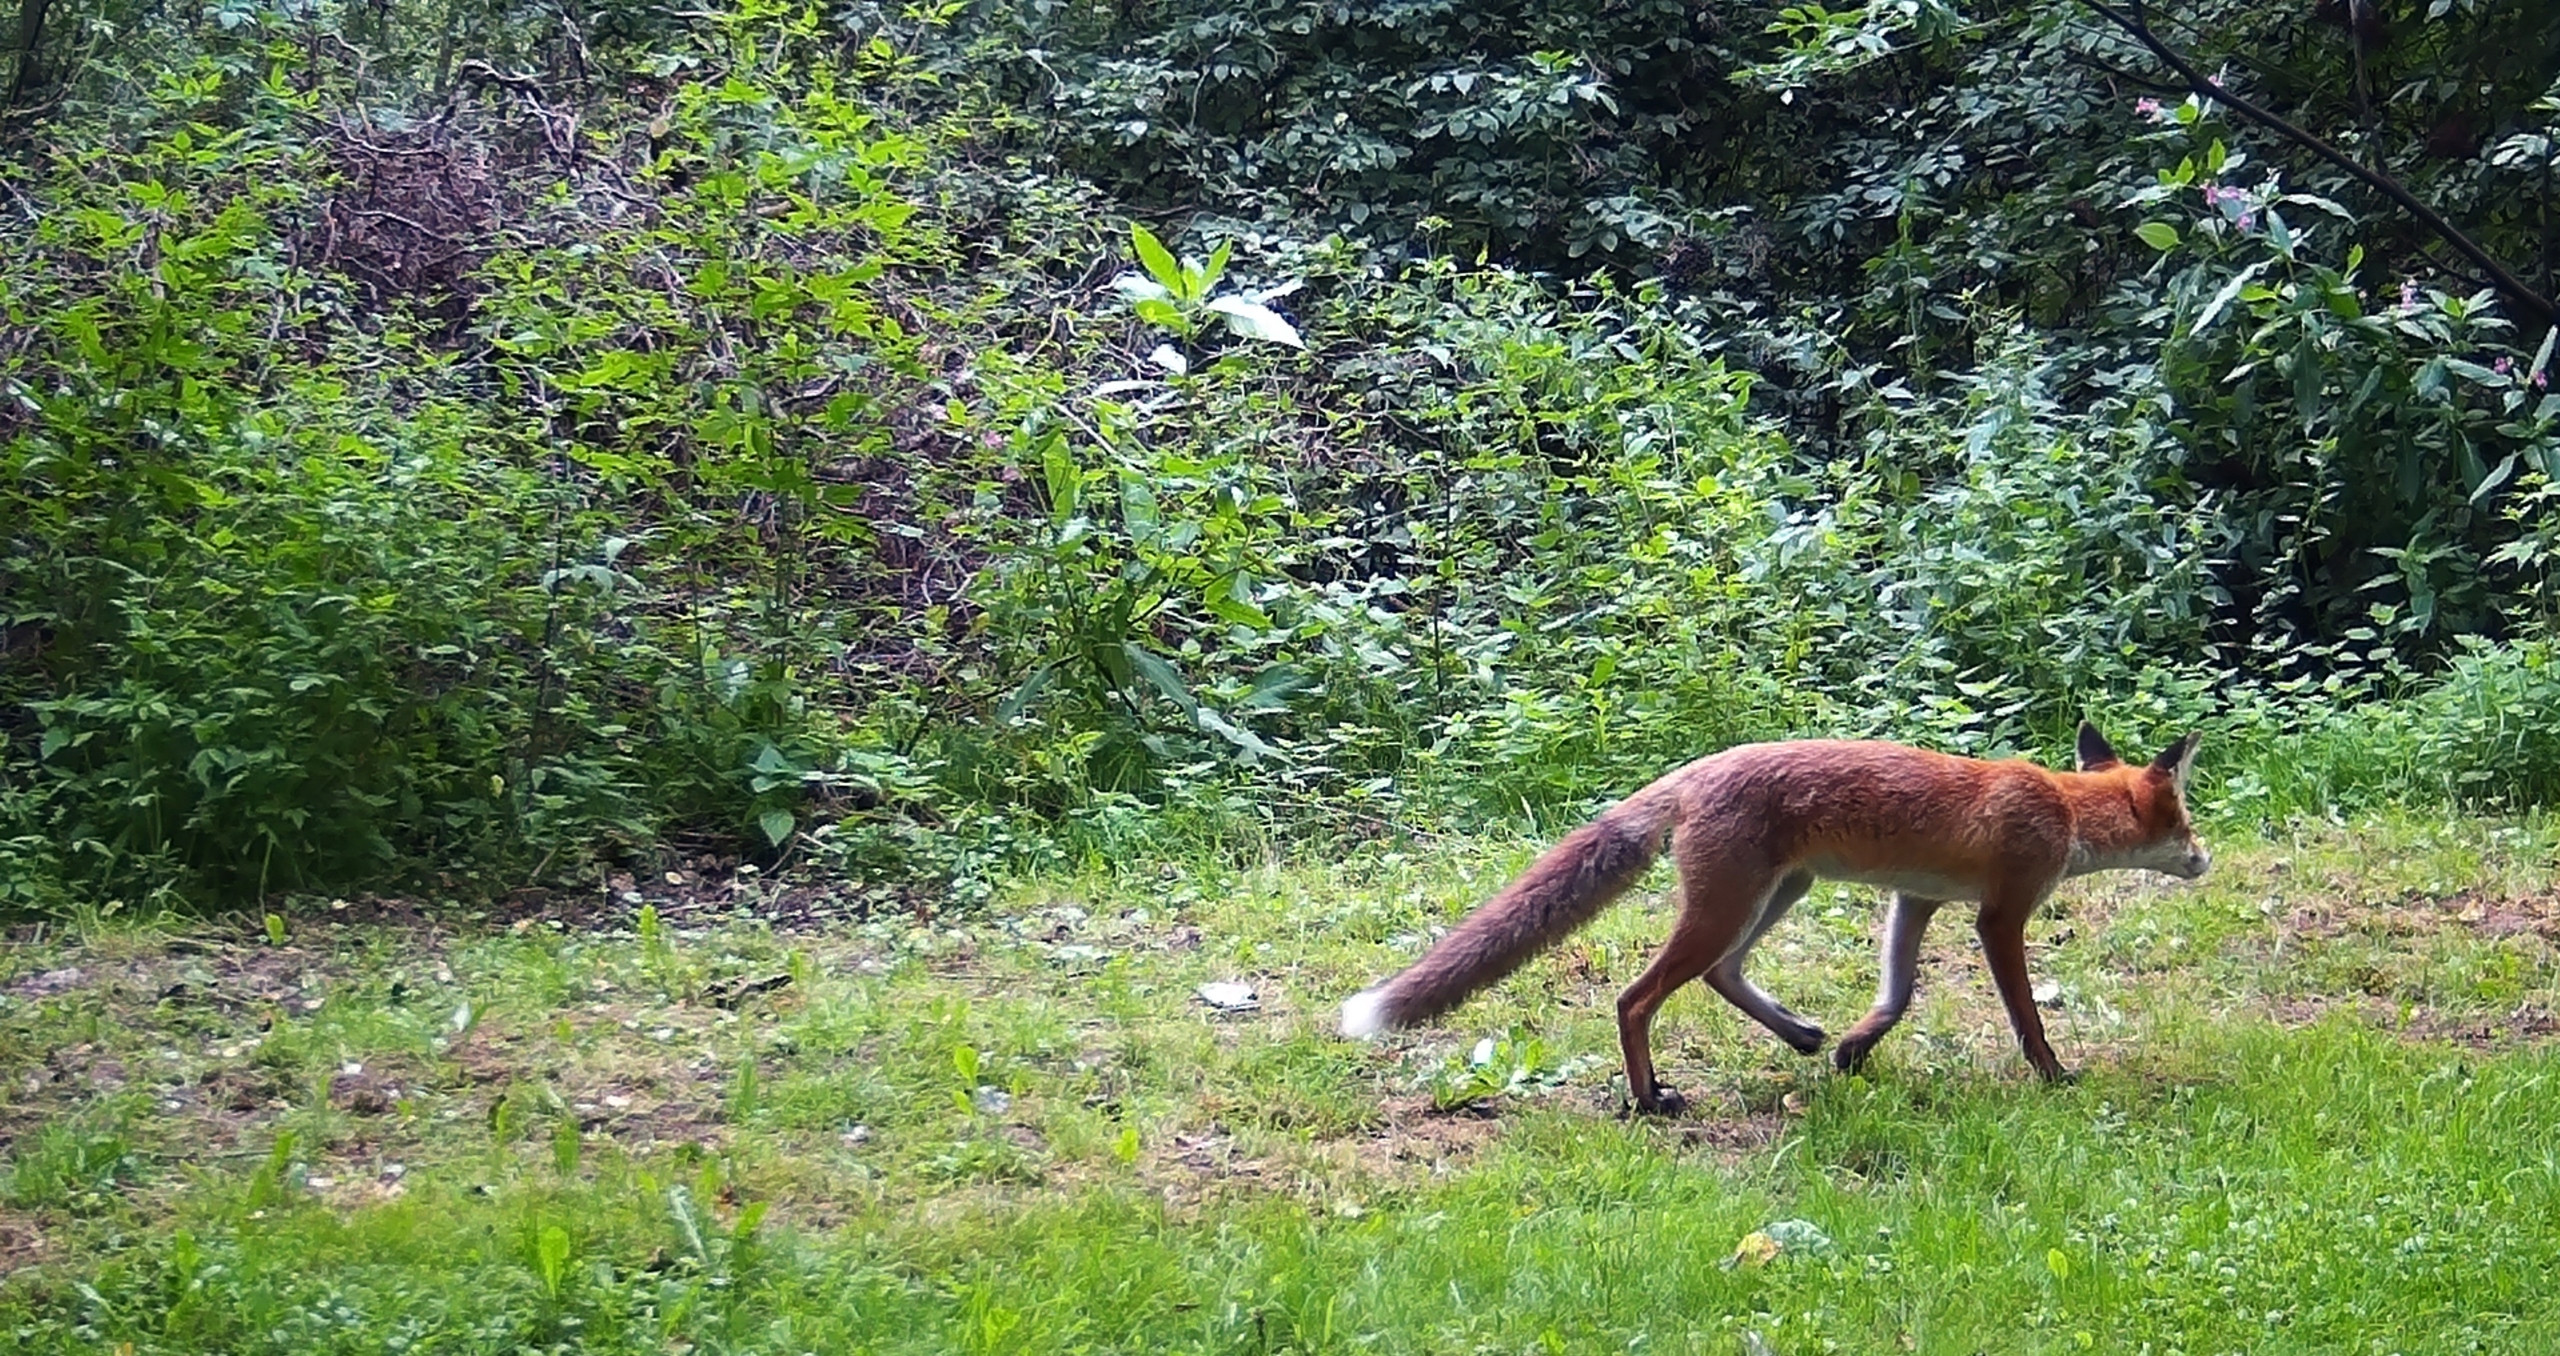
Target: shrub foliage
468 438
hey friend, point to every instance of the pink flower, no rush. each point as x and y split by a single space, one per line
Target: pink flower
2149 108
2503 366
2540 378
2247 220
2408 292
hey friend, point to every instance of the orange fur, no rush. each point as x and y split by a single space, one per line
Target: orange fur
1752 827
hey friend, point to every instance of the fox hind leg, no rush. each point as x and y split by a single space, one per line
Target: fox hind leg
1726 977
1716 915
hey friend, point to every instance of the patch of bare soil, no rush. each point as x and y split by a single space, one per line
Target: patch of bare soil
48 983
1194 1167
2485 913
1412 1140
22 1242
1733 1138
1417 1137
236 1092
2527 1022
2508 916
639 1109
238 979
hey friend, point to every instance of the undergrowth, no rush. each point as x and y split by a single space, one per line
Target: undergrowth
445 504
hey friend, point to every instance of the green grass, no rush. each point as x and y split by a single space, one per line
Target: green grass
2317 1116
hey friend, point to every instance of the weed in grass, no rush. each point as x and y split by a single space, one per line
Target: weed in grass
566 1146
72 1167
1513 1063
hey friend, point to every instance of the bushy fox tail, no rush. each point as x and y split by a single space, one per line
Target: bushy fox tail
1565 888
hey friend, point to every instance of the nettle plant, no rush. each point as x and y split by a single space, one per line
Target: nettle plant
1158 545
1181 296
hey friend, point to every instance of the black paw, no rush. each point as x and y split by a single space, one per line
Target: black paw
1851 1057
1665 1101
1807 1041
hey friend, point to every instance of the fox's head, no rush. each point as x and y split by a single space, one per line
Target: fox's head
2158 836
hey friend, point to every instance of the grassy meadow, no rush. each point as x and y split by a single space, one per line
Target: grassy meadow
727 1115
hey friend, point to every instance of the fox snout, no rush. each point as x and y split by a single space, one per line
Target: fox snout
2179 856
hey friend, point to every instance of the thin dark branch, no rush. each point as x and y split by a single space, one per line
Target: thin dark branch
2136 24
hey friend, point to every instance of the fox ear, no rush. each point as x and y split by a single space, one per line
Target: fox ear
2177 760
2095 752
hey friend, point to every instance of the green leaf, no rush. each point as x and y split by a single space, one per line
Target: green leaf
1253 320
1058 468
1137 289
2429 383
2159 235
1236 611
1157 259
2496 477
1271 688
1138 510
2475 473
1230 596
777 825
1010 709
2222 299
553 1255
1161 676
1233 733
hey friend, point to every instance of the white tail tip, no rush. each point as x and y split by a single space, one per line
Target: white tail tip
1364 1014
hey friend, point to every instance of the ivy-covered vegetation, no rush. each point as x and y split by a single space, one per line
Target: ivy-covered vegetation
463 438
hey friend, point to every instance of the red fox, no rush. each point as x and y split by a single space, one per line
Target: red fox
1752 827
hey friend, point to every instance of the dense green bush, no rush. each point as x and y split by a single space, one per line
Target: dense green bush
322 594
1869 199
